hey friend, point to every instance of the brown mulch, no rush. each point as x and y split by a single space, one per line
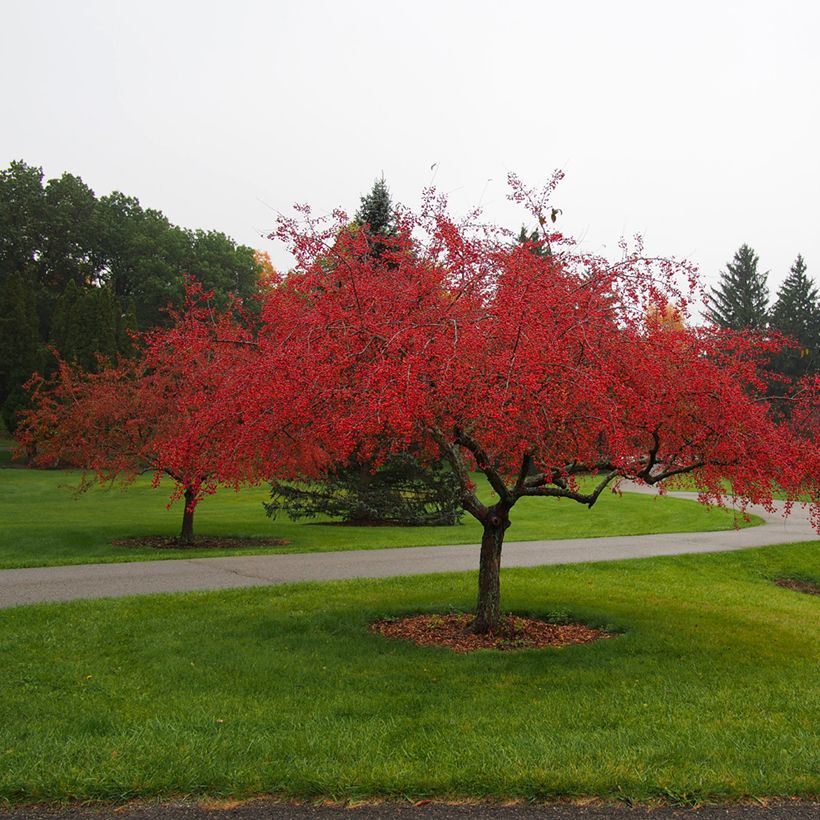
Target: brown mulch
201 542
451 631
798 586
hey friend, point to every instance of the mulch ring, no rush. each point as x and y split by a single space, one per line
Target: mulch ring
798 586
200 542
515 632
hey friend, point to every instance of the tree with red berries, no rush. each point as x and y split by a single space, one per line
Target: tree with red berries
548 373
138 415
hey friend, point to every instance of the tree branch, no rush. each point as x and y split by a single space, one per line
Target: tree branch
469 500
483 463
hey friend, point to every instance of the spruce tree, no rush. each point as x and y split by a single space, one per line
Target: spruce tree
536 241
796 313
740 301
376 216
376 210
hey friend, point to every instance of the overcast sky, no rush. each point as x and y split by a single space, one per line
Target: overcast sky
694 124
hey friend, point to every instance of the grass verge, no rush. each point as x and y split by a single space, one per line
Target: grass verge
710 692
46 524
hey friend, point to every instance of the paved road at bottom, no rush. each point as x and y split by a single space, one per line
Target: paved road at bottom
68 583
265 810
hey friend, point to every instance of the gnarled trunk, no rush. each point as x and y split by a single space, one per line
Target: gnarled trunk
488 609
187 534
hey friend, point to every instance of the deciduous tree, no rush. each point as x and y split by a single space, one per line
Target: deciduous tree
137 415
544 372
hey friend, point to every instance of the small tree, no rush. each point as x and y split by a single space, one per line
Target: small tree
137 415
375 213
741 299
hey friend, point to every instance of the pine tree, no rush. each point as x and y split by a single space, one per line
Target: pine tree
376 216
376 210
796 313
536 241
741 298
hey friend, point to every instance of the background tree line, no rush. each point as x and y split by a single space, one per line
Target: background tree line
79 272
741 301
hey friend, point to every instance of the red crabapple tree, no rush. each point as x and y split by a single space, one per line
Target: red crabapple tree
549 372
139 414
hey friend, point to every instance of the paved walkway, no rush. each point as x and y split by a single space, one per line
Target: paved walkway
266 810
37 585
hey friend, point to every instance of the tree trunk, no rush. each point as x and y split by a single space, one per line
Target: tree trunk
488 609
187 534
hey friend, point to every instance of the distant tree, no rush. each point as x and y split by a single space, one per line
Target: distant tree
534 240
22 216
740 301
97 266
400 491
134 416
20 349
268 277
376 216
89 323
796 314
376 210
222 266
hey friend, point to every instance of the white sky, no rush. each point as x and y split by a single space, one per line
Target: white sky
695 124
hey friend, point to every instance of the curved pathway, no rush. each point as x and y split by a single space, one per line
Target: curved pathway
68 583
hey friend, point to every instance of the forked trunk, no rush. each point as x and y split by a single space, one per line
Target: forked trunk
187 534
488 609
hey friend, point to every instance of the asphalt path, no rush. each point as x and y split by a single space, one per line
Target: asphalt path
267 810
69 583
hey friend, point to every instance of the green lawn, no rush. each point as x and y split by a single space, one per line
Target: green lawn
711 690
46 524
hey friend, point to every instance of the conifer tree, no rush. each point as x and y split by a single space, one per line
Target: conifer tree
740 301
376 210
20 349
796 313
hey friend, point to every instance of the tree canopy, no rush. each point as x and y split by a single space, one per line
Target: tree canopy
94 268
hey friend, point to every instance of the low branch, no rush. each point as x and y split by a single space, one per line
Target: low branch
565 492
469 500
483 463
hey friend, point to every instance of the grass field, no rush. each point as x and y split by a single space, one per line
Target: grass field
47 524
710 691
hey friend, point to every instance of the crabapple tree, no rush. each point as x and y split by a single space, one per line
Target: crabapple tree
549 373
138 415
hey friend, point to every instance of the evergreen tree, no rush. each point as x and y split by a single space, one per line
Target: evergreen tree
376 210
20 350
796 313
376 216
536 241
741 298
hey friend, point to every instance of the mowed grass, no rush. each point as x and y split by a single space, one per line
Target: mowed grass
710 691
45 523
